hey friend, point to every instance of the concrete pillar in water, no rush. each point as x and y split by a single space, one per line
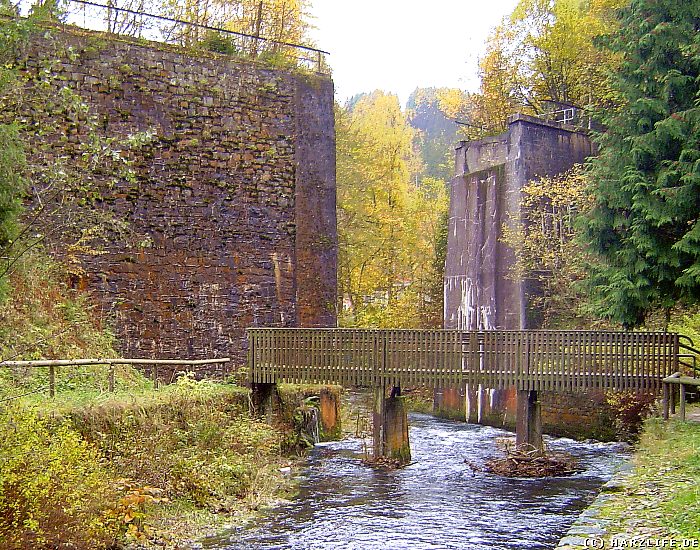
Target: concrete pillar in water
329 407
450 402
390 424
528 429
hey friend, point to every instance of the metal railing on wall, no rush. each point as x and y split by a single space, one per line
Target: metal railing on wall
169 30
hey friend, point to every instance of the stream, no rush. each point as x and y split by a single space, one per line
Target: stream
437 502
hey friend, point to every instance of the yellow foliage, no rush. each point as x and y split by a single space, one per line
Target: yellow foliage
544 52
545 248
54 492
387 221
280 20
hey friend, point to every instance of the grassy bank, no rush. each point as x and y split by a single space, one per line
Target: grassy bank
661 499
138 467
150 469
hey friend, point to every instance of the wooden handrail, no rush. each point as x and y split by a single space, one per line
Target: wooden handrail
110 362
669 395
541 360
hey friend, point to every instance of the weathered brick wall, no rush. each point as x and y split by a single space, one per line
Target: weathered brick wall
235 194
579 415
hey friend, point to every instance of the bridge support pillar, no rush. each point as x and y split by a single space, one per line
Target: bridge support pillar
528 422
263 399
329 408
390 426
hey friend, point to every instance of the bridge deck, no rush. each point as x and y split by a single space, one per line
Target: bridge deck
533 360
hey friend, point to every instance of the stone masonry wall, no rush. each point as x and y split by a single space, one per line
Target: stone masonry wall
234 197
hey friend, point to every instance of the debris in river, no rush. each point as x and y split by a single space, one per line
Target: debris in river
528 461
383 462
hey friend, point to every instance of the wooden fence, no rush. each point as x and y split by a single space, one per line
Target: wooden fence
535 360
54 364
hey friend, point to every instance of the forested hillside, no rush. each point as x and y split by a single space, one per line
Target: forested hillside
617 244
392 202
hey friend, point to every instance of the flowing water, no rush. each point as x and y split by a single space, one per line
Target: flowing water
437 502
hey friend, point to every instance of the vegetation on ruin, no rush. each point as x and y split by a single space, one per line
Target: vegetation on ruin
92 469
546 250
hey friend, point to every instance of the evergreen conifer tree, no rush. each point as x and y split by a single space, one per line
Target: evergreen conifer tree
644 231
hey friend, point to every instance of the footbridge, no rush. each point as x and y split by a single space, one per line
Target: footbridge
531 361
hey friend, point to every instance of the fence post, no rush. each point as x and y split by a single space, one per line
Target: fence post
676 352
52 381
672 399
682 400
251 356
111 377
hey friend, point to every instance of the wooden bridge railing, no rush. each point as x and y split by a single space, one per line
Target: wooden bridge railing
529 360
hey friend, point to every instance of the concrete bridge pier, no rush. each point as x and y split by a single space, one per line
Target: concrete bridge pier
528 421
390 426
264 398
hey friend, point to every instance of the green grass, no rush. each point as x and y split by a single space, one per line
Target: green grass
90 467
662 496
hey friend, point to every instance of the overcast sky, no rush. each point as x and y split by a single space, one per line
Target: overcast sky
397 45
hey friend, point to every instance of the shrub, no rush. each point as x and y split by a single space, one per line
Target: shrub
629 410
54 492
219 43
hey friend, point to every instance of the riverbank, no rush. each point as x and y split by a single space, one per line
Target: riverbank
157 469
655 501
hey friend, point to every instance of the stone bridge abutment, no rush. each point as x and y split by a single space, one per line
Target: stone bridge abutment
232 197
481 289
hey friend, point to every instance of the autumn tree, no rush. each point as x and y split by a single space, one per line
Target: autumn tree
546 250
435 131
275 20
386 221
644 228
501 92
434 114
542 56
